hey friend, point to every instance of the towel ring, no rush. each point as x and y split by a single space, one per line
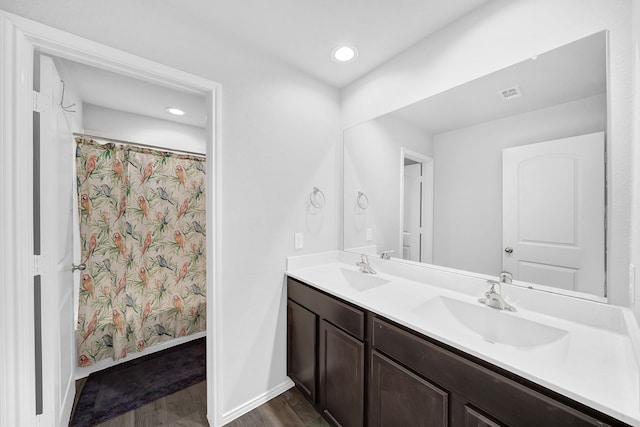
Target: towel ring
362 200
316 202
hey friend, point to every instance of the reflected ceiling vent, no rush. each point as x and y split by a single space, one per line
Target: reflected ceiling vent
510 93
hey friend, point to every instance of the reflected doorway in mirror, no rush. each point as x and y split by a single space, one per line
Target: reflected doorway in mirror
416 206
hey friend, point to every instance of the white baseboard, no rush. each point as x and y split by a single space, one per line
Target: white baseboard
257 401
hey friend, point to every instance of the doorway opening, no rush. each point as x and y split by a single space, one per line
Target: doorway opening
103 109
21 39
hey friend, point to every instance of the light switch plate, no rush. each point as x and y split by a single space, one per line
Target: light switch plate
369 234
298 241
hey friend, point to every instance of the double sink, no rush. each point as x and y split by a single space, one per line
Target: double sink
448 315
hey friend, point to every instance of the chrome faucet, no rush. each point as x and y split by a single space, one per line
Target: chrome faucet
493 296
364 266
506 277
386 254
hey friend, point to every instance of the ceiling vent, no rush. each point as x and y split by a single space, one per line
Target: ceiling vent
510 93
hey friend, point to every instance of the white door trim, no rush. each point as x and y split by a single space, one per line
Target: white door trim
19 37
17 376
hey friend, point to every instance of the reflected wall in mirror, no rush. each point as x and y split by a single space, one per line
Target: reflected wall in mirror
506 172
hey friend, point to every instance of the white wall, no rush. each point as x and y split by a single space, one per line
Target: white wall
468 177
116 124
280 137
635 149
72 98
373 165
498 35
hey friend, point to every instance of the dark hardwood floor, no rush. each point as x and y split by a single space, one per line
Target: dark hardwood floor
290 409
188 408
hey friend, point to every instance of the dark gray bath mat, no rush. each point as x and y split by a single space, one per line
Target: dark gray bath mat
130 385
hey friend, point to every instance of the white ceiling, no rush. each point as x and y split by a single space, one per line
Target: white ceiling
303 33
571 72
568 73
118 92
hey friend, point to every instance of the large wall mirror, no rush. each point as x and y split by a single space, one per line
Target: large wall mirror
503 173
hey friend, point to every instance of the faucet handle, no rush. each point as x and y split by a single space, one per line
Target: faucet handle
493 297
386 254
491 288
506 277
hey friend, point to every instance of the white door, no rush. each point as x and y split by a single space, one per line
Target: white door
553 213
56 201
411 245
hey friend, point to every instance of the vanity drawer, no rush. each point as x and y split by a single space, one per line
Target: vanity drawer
340 314
506 397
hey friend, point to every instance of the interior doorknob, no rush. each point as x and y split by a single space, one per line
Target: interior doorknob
80 267
508 250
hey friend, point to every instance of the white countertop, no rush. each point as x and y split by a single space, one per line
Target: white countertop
595 362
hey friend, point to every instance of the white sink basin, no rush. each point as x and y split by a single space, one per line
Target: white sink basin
362 281
494 326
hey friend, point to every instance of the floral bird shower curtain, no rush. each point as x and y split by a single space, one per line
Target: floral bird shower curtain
142 231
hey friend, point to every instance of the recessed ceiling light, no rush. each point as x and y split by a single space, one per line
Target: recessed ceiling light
344 53
175 111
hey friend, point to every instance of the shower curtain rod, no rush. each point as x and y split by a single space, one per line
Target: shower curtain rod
139 144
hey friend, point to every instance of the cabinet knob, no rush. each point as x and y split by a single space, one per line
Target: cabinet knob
508 250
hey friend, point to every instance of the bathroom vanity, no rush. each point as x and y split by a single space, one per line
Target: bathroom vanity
411 346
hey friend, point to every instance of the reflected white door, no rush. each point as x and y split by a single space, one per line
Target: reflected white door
411 245
56 201
553 213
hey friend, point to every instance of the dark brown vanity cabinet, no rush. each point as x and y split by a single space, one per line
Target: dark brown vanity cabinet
475 393
392 376
326 353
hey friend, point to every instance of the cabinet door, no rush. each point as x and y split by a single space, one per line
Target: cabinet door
473 418
341 376
345 316
401 398
301 348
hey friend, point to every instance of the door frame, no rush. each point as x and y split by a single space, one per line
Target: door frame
19 39
426 238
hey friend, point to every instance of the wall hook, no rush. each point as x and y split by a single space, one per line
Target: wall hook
66 108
